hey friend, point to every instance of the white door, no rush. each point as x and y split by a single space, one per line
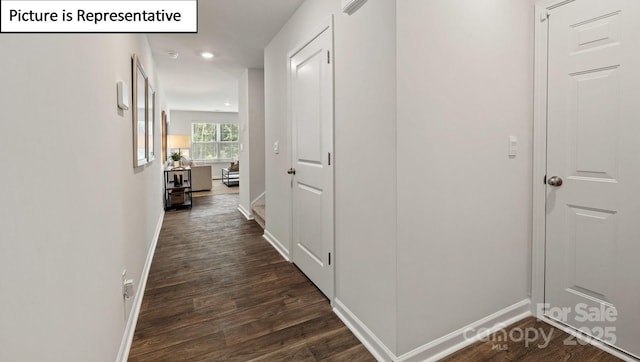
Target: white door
592 279
312 145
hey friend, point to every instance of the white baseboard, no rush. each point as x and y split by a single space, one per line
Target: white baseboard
276 245
130 328
455 341
378 349
247 214
441 347
591 341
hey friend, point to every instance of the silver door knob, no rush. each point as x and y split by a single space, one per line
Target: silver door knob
291 171
555 181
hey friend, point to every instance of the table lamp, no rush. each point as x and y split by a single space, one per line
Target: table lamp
178 141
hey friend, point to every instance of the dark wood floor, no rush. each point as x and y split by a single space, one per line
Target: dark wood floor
516 349
218 291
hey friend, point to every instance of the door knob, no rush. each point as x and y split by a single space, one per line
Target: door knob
555 181
291 171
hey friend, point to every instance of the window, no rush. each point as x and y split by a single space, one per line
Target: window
214 142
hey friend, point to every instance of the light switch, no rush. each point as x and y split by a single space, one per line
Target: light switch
513 146
241 147
276 147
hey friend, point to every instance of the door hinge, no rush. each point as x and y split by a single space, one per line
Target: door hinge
329 158
328 57
544 16
329 258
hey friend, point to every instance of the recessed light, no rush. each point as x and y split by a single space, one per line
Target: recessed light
227 104
173 54
207 55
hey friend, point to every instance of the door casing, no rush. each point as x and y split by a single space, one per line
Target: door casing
326 25
542 8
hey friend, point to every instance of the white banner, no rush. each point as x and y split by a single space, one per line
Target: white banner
98 16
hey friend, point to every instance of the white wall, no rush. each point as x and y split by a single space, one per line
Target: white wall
364 140
244 150
464 207
365 165
251 119
277 128
180 123
67 237
256 131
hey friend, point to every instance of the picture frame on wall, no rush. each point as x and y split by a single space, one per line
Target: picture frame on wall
139 112
151 122
163 119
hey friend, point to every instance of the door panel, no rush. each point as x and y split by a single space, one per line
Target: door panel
312 141
310 215
593 144
596 120
308 110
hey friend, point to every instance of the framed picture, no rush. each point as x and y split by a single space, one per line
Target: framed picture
151 122
139 112
163 119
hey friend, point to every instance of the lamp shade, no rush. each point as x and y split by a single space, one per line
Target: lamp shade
179 141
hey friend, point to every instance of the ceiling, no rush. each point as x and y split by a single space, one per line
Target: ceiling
236 32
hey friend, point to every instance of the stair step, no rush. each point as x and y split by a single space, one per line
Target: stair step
259 214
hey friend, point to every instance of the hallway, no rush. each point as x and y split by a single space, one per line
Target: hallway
218 291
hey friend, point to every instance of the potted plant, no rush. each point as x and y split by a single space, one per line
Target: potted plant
176 156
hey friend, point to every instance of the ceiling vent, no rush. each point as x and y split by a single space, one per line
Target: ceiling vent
351 6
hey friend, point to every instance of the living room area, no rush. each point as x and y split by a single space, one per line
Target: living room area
208 142
213 144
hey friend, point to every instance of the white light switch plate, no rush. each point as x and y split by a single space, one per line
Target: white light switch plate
513 146
276 147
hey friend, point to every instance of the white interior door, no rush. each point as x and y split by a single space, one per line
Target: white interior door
312 145
592 279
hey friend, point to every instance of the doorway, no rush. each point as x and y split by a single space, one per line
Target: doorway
311 92
587 207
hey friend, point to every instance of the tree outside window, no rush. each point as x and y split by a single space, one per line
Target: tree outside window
214 141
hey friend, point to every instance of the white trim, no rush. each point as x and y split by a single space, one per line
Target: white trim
378 349
326 25
592 341
127 337
276 245
542 9
539 153
247 214
455 341
438 348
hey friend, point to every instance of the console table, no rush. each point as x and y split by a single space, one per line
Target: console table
177 195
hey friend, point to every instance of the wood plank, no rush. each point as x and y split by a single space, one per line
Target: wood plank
501 347
279 340
218 291
332 345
